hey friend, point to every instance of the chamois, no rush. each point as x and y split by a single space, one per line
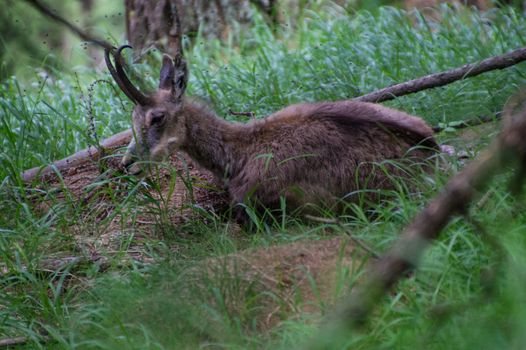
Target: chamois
309 153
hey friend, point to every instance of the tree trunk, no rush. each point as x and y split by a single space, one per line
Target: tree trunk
151 23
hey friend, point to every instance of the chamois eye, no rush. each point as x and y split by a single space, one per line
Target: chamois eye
157 118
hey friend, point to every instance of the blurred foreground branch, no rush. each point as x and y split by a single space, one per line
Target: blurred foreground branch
508 149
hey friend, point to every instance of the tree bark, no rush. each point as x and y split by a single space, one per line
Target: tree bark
151 23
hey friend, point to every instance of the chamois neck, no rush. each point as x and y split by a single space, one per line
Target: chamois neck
211 140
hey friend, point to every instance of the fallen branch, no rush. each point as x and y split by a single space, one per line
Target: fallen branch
509 148
56 264
443 78
94 153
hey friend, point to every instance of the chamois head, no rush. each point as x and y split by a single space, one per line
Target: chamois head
158 123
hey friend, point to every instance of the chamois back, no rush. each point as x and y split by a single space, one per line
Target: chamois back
319 153
349 114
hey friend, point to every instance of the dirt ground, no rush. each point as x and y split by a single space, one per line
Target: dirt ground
307 276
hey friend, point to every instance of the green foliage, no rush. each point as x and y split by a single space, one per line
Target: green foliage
332 57
468 292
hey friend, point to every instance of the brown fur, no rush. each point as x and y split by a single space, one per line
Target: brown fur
312 153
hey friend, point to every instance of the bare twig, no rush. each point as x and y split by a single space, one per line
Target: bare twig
37 4
508 148
55 264
446 77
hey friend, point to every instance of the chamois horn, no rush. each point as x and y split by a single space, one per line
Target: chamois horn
118 73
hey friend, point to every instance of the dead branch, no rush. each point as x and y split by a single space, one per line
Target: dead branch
443 78
91 152
509 148
79 32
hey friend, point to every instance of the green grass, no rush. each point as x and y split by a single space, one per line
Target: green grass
465 295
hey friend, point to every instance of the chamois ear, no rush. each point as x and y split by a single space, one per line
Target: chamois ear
180 77
167 75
